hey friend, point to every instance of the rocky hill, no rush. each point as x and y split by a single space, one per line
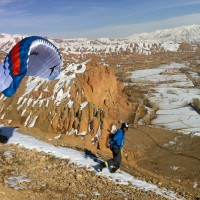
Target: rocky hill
28 174
84 101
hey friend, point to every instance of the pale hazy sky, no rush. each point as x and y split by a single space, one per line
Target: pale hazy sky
95 18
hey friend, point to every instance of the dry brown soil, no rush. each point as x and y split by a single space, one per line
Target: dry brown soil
170 158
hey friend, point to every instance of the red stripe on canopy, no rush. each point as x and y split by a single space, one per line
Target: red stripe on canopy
16 59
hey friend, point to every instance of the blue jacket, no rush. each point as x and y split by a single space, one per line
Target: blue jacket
118 140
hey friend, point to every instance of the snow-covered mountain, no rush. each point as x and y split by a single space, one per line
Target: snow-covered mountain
144 43
190 34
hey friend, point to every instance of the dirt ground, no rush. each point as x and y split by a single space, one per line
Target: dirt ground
164 158
29 175
170 158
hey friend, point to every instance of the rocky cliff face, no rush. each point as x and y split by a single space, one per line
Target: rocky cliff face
83 102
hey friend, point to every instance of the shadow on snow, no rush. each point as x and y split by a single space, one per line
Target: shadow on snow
6 133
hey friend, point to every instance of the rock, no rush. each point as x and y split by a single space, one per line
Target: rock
79 177
160 183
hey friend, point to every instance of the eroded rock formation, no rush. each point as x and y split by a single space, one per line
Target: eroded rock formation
84 102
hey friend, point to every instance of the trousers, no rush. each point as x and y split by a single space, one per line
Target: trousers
116 160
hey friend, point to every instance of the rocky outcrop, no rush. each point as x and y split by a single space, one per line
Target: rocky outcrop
84 102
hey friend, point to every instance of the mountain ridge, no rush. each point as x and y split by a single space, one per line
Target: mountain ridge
143 43
179 34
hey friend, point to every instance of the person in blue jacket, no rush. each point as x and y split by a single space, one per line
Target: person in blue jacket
116 144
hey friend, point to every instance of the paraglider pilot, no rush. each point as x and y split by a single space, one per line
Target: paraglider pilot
116 144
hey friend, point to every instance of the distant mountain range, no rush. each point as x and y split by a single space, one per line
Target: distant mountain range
145 43
190 34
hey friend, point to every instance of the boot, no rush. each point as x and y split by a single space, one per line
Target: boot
114 169
101 166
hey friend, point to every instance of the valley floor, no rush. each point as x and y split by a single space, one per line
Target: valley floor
167 158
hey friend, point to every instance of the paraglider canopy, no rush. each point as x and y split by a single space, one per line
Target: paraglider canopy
32 56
